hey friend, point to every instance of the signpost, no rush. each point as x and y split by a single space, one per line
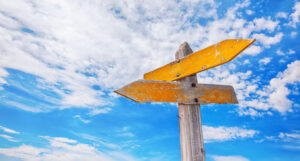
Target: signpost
156 87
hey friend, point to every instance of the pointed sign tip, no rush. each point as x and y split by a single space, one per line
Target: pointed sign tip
252 41
121 93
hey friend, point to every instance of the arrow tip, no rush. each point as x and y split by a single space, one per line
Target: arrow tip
252 40
122 93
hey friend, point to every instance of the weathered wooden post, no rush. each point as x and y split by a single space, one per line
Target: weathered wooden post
177 82
191 135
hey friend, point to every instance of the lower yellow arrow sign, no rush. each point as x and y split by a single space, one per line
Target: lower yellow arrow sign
161 91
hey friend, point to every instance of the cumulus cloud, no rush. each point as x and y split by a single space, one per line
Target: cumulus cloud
295 15
78 46
221 133
278 90
253 50
271 96
267 41
265 60
63 149
265 24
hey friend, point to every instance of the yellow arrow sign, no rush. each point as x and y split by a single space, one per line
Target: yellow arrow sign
202 60
161 91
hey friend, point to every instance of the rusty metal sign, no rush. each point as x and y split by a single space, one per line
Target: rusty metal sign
199 61
143 91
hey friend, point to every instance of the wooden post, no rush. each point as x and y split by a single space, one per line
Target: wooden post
191 136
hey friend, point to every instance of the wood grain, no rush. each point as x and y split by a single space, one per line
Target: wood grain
143 91
191 135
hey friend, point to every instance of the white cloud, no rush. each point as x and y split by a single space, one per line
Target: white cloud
293 147
281 15
278 90
293 34
246 61
7 130
7 137
291 140
265 24
86 44
295 15
127 134
255 100
279 52
268 40
82 119
25 107
99 111
221 133
290 137
229 158
249 12
265 60
99 141
61 139
64 149
291 51
253 50
3 73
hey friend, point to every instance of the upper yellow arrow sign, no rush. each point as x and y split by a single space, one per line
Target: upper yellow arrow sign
199 61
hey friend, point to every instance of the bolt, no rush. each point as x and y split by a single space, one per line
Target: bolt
196 99
193 84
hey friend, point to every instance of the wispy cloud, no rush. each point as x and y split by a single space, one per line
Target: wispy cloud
100 141
7 137
64 149
229 158
82 119
287 140
99 111
7 130
221 133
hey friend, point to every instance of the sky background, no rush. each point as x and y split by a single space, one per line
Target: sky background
60 62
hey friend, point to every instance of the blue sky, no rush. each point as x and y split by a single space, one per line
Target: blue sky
60 62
